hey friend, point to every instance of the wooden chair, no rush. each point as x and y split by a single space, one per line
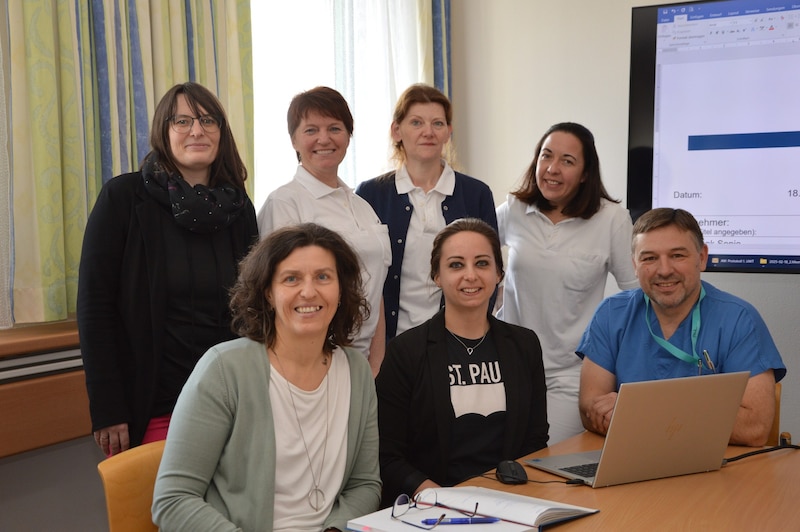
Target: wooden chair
774 433
128 480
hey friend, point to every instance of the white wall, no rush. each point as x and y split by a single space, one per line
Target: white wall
520 66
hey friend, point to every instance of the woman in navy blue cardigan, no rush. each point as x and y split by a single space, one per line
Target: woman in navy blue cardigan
418 199
464 390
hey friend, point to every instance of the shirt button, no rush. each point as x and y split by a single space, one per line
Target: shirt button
444 207
399 240
408 207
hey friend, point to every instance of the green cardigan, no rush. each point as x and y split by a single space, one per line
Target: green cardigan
217 472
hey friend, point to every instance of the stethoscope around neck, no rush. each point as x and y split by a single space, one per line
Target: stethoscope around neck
677 352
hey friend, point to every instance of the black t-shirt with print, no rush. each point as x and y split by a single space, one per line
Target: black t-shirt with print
477 394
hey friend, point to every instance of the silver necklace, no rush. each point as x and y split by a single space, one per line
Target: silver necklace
316 497
474 347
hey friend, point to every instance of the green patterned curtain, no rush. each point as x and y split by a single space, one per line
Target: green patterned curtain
84 79
5 179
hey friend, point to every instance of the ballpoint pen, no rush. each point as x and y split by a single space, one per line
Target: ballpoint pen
709 362
461 521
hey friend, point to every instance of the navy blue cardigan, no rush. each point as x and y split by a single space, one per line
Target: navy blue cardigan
471 198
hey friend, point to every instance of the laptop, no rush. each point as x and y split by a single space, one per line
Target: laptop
659 428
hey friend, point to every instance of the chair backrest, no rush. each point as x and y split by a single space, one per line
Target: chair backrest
774 432
128 480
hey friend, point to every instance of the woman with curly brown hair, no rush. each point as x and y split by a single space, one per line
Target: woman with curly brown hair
278 430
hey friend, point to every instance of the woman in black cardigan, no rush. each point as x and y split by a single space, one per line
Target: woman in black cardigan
462 391
160 251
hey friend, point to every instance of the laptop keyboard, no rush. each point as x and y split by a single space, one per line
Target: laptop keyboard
583 470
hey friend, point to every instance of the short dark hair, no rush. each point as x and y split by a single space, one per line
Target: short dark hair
473 225
323 100
586 202
421 93
228 167
252 315
665 217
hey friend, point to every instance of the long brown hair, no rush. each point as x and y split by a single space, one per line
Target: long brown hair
586 202
228 167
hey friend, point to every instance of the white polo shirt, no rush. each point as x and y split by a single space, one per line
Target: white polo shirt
556 273
307 199
419 295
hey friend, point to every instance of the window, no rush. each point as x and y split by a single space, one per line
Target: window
369 51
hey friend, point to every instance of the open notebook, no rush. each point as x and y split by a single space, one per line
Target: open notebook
518 513
660 428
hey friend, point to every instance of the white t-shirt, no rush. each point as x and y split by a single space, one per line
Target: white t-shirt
307 199
293 475
419 295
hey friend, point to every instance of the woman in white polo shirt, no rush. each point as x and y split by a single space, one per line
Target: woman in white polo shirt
320 126
564 235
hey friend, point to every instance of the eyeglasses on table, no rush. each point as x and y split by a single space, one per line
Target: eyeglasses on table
424 500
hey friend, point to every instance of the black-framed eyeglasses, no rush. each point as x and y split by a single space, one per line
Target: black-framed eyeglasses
423 501
184 123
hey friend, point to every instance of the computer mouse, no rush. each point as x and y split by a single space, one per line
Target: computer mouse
511 472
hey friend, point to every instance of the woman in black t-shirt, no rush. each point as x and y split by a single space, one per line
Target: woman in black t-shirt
462 391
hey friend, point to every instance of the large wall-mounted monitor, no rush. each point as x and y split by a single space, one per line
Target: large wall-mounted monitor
715 125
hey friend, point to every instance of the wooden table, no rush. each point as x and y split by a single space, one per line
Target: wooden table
761 492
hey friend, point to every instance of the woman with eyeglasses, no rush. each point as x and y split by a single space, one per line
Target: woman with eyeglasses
160 252
464 390
277 430
320 126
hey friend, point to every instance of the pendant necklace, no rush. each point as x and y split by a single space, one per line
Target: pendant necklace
316 497
474 347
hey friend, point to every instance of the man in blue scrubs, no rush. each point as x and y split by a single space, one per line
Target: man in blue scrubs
676 325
